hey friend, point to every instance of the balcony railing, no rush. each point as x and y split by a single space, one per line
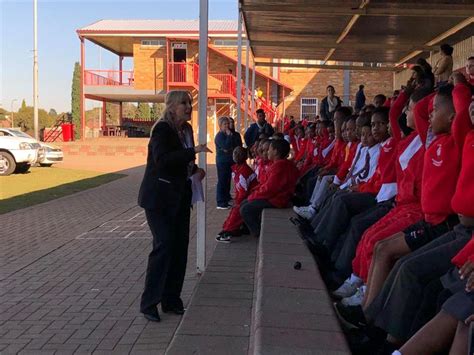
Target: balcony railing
183 73
108 77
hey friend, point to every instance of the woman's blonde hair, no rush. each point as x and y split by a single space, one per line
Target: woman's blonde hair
173 98
222 119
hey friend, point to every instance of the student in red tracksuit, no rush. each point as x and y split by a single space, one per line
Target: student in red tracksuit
407 211
298 142
311 141
276 191
244 181
440 174
262 163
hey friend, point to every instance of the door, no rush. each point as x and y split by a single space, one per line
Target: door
179 62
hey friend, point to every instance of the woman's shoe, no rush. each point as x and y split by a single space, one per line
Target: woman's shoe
151 314
176 308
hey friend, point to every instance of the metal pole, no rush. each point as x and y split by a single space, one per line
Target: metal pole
202 131
11 111
35 70
239 74
252 109
246 115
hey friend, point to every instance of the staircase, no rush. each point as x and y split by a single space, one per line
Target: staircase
55 132
219 86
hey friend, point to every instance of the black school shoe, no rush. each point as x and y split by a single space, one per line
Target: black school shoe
151 313
176 307
352 317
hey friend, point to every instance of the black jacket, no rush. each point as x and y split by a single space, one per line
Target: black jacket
324 110
166 171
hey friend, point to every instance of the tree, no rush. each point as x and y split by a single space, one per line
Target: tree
129 110
112 113
23 105
157 110
76 99
24 118
52 112
143 111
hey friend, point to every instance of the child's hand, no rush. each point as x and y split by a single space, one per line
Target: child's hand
469 319
466 270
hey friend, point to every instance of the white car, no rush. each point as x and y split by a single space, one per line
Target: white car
18 151
52 155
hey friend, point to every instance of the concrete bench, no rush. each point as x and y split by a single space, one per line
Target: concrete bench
292 311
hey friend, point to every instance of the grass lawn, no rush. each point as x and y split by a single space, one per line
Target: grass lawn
44 184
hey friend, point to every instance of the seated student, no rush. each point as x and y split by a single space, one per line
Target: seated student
449 327
330 161
244 181
310 143
406 212
335 218
262 164
277 189
439 178
401 295
379 100
362 168
325 176
298 142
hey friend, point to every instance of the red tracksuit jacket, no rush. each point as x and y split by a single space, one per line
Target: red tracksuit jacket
244 181
349 156
463 199
279 185
442 161
337 155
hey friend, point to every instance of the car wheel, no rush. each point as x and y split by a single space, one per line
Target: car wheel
7 164
45 165
22 168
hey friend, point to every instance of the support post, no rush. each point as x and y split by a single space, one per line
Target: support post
202 132
239 73
283 109
83 104
120 69
104 115
252 109
268 92
246 98
35 71
121 113
347 87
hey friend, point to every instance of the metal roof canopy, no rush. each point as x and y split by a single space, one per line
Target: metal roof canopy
368 31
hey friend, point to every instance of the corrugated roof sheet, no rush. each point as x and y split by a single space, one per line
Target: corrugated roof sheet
158 25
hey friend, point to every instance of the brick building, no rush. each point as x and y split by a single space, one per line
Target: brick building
165 57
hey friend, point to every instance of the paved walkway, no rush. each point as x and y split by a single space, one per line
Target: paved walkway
72 269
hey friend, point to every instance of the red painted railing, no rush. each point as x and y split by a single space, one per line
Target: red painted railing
108 77
228 83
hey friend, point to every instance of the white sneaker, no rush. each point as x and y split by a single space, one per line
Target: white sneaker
306 212
356 299
347 289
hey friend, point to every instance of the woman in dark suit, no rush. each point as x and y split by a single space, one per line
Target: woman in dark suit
165 194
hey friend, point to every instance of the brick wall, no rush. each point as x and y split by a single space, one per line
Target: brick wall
148 63
312 83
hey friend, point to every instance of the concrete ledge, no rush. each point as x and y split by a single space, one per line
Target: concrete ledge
292 311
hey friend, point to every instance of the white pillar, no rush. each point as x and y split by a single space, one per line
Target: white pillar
202 132
252 108
35 69
247 50
239 74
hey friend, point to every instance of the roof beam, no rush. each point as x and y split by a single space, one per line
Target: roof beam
438 39
409 10
346 30
331 44
324 66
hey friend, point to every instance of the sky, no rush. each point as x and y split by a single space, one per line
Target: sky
59 46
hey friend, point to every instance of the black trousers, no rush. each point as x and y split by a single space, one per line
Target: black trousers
224 177
336 217
167 261
402 294
251 212
345 248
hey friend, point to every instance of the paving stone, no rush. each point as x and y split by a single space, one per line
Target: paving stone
208 344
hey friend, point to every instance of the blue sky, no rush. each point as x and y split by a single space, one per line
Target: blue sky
58 44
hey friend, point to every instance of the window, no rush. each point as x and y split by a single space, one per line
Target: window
153 42
228 42
309 107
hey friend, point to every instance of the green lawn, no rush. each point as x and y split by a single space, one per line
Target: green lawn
44 184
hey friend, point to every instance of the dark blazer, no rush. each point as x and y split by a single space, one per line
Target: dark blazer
166 171
324 110
252 133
